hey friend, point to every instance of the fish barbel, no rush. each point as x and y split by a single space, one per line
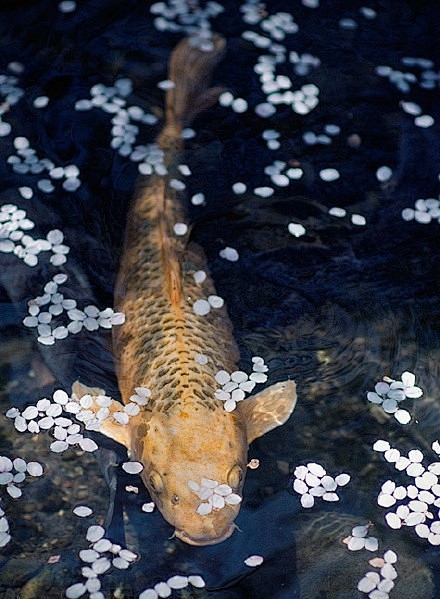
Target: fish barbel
183 436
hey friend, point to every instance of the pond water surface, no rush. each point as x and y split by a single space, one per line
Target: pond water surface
341 301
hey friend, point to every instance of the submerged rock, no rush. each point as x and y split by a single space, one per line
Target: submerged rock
326 568
17 571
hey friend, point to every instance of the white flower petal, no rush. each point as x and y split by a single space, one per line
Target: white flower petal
413 392
233 499
132 467
254 560
177 582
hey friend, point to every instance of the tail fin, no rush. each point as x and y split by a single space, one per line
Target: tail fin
190 69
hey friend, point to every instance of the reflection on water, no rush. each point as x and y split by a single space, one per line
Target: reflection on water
337 307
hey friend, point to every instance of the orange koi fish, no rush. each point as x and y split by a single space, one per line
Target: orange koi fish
190 447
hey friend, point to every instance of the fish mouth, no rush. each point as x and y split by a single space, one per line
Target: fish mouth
181 534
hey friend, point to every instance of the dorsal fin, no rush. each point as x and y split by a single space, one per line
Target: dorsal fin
170 260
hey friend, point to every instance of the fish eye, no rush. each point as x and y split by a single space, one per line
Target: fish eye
156 483
174 499
235 476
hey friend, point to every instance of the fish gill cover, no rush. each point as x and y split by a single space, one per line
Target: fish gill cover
312 187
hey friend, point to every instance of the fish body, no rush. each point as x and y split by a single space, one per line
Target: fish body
183 436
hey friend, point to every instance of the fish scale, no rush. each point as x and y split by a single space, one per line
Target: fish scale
161 338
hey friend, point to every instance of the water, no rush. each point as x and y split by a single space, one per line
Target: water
336 308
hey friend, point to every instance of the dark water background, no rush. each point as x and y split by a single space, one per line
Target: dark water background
335 309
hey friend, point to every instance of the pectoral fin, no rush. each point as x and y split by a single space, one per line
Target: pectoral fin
270 408
109 427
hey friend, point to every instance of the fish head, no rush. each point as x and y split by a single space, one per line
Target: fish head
195 474
195 459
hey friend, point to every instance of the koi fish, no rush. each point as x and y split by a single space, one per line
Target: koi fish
182 435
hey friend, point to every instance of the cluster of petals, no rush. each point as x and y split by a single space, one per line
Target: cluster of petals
10 94
98 558
13 473
303 63
141 396
5 536
234 386
94 410
25 161
356 219
389 394
202 307
359 539
14 238
312 481
213 495
182 17
378 584
424 211
52 415
281 173
125 124
276 86
176 582
47 323
419 501
150 159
